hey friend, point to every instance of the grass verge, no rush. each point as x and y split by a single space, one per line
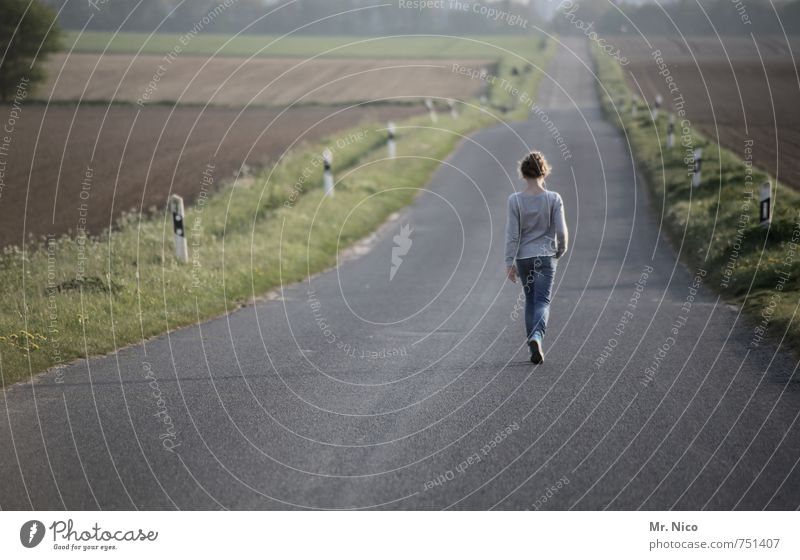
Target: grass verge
72 297
716 225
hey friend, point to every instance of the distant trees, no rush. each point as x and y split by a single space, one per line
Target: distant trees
333 17
375 17
110 15
27 34
727 17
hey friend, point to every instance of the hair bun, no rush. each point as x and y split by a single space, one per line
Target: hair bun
534 166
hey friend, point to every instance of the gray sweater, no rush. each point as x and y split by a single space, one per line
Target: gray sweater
536 226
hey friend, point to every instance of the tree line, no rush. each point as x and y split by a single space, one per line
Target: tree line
333 17
687 17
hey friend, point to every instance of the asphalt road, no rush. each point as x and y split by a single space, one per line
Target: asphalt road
356 391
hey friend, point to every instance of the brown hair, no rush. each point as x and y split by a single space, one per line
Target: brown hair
534 166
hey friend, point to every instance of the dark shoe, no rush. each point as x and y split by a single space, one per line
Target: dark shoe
537 356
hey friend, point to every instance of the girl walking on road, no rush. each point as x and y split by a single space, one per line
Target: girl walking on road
536 237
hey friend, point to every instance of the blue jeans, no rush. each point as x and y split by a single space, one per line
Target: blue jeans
536 275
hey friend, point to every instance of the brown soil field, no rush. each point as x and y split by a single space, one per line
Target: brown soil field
237 81
745 99
52 148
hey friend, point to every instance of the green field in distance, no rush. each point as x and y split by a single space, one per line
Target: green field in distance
494 46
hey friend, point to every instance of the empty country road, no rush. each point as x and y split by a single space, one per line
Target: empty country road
401 380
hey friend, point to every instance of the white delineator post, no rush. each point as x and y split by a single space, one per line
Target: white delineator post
327 175
657 106
698 164
765 212
391 143
431 110
453 111
484 101
177 209
634 103
671 132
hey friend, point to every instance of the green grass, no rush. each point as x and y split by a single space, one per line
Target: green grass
714 225
65 299
491 46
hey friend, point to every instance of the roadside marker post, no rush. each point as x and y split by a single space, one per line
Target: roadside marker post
327 161
634 103
431 110
453 110
484 101
671 132
177 209
391 143
766 205
698 164
658 102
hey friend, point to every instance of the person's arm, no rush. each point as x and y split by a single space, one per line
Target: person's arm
562 234
512 237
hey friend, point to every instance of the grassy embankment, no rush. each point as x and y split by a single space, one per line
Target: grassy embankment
716 225
68 298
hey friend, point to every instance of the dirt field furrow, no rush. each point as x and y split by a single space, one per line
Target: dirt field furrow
238 81
729 94
44 191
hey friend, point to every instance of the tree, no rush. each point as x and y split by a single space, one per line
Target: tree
28 33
